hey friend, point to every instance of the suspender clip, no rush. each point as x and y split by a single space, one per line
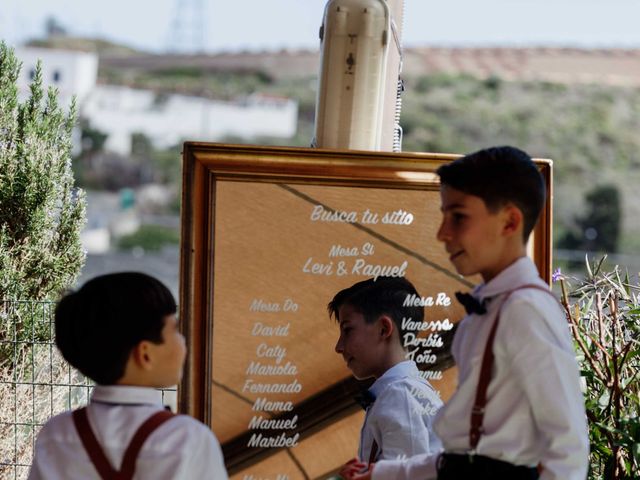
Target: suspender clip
471 454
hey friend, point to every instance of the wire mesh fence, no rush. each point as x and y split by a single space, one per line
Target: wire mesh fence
35 382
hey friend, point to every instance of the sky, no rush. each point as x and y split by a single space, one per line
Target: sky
255 25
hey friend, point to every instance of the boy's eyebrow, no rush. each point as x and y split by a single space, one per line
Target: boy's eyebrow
451 207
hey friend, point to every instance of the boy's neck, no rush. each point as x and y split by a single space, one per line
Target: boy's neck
394 357
510 256
135 376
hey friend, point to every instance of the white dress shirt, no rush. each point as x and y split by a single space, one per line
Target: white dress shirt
401 418
181 448
535 409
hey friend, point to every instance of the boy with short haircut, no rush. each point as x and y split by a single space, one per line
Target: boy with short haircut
401 405
121 331
520 414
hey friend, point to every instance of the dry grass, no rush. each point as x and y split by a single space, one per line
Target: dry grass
39 386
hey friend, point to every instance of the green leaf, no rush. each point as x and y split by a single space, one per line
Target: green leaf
586 261
599 265
603 401
627 282
589 304
601 448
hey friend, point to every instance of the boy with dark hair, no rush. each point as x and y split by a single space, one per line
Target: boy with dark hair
517 412
400 405
121 331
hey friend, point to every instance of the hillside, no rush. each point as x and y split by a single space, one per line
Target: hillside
563 65
589 130
580 108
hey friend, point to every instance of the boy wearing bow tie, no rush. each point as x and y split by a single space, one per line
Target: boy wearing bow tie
518 412
400 405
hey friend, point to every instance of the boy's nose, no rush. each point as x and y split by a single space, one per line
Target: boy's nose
442 234
339 347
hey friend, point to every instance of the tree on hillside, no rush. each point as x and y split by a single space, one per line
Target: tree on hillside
41 213
599 228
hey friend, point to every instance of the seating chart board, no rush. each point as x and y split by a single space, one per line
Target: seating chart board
270 235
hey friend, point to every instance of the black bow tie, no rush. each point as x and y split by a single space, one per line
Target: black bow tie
365 399
471 303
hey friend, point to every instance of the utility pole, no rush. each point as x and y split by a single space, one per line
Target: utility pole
188 27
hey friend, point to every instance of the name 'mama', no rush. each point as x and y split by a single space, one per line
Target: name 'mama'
263 405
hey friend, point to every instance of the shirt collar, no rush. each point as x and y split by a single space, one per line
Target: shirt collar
521 272
126 395
403 369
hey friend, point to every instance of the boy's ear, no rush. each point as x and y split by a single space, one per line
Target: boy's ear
141 355
387 326
513 219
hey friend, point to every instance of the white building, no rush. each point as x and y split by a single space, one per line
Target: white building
71 72
168 119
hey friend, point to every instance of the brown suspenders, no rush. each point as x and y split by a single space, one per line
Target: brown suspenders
373 455
477 412
96 454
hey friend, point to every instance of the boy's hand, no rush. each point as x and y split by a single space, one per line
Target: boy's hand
364 475
350 469
354 469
